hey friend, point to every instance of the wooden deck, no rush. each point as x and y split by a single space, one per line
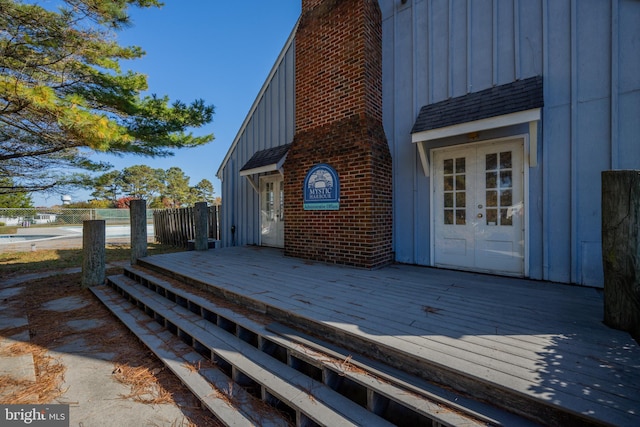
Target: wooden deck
536 340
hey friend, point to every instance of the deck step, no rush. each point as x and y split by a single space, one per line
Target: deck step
389 380
473 374
395 395
308 401
207 384
387 385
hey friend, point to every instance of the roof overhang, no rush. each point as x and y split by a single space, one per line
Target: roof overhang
478 125
530 116
265 161
501 106
271 167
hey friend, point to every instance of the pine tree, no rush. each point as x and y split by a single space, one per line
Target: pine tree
13 200
63 94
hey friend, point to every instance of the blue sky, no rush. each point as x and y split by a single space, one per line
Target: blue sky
220 51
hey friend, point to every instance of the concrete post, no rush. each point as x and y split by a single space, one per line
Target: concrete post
201 222
93 252
138 215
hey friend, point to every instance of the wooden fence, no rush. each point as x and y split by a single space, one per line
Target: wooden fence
176 226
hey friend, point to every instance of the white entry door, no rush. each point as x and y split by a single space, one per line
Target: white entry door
479 207
272 211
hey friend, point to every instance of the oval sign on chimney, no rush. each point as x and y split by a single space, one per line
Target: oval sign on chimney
321 189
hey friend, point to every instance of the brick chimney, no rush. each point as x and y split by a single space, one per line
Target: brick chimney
339 123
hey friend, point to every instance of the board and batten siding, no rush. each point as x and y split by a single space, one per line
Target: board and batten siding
269 123
588 54
585 50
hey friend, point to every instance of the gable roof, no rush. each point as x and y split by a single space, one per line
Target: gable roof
514 97
256 102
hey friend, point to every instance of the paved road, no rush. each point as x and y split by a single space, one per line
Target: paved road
62 238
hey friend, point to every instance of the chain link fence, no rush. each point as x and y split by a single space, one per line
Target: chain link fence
64 216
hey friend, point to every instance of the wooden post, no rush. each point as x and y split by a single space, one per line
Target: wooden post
93 252
201 225
621 249
138 214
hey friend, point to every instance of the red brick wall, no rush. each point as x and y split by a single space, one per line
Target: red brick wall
338 62
339 122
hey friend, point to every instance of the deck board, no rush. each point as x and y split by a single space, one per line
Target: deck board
541 339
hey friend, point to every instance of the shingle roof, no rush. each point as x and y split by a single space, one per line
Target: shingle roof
520 95
266 157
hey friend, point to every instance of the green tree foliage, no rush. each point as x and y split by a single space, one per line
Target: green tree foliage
108 186
203 192
93 204
63 94
142 182
161 189
13 200
177 191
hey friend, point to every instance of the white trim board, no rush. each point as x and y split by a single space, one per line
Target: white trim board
528 116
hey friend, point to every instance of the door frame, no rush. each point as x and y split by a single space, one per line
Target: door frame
263 179
524 139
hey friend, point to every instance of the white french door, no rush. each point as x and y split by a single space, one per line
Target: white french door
272 211
478 202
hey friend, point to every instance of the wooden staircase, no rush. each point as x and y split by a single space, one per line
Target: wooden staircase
248 369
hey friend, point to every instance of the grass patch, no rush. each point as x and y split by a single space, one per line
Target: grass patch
56 259
8 229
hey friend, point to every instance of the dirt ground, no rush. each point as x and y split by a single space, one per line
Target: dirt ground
84 357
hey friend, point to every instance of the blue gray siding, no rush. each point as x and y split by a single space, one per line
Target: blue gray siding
586 51
588 54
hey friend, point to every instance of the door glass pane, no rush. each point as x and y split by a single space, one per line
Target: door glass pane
491 162
268 201
448 216
492 198
454 195
492 216
505 217
448 200
281 185
502 178
505 179
448 183
506 198
448 166
491 180
499 174
505 160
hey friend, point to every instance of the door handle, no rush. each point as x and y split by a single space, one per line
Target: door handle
479 215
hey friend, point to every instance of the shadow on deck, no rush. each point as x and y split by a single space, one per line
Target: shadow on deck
535 348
